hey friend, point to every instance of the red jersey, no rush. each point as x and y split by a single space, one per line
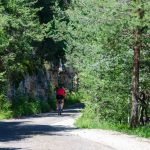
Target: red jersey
61 91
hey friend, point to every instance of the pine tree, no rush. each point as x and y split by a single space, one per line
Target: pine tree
139 44
21 31
100 38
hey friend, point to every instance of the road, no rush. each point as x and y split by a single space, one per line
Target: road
45 132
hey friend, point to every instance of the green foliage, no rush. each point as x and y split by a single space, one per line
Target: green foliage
21 106
95 53
24 106
72 98
19 30
100 39
24 47
96 37
44 106
51 51
5 107
4 103
52 104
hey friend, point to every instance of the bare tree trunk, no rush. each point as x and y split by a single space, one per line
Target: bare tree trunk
135 77
135 88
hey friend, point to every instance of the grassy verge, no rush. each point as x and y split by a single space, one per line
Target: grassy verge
143 131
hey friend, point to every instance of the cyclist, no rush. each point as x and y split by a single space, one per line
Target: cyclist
60 94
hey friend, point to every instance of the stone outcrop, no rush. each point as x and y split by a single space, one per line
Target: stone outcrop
42 84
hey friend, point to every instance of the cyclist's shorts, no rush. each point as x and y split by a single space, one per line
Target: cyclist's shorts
59 97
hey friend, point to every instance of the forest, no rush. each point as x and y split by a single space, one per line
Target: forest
107 42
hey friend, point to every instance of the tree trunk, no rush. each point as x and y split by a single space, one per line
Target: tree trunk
135 88
135 77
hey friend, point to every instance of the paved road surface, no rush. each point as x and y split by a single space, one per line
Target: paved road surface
45 132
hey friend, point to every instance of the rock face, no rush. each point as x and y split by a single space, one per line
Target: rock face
42 84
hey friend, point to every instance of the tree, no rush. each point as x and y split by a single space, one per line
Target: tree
49 49
3 43
21 30
99 37
138 44
24 44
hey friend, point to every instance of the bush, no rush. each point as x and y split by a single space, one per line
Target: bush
44 106
72 98
5 107
52 104
27 105
23 106
4 103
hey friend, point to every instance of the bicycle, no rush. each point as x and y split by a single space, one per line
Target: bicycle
59 101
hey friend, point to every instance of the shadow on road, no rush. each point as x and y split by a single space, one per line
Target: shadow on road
70 111
65 113
12 131
19 130
9 148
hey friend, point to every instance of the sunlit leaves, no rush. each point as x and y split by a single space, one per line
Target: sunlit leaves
19 30
100 39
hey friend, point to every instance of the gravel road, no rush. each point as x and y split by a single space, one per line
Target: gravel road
51 132
45 132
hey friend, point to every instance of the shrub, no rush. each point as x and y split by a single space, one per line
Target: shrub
52 104
44 106
5 107
72 98
27 105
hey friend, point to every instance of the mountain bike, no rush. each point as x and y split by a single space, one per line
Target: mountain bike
59 101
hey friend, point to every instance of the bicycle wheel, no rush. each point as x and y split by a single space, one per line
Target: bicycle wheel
59 109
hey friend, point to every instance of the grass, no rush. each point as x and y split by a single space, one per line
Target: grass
142 131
